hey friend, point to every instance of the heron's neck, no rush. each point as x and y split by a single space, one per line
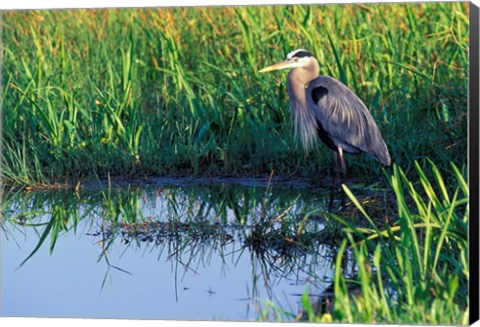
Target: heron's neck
298 80
304 76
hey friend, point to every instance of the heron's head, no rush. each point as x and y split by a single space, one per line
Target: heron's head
296 59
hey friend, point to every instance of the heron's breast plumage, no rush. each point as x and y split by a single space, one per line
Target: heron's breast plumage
303 119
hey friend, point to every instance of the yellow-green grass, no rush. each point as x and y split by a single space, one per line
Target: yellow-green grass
413 268
135 92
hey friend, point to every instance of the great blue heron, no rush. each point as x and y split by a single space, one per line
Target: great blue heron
322 107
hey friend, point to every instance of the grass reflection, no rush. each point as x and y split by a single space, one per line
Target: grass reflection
188 226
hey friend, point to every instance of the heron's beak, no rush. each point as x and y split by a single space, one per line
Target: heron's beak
277 66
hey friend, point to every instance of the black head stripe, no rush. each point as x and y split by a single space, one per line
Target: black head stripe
301 54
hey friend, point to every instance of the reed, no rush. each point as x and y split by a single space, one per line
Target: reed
412 269
136 92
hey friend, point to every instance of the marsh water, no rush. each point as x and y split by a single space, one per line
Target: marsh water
170 249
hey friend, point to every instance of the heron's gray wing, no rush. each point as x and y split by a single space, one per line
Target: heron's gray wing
343 117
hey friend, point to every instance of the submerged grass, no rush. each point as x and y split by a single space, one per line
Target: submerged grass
136 92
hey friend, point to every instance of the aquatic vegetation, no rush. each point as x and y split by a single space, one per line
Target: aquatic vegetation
413 268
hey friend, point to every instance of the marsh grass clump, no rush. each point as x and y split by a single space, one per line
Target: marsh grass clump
414 270
174 91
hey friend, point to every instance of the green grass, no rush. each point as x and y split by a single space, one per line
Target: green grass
410 270
136 92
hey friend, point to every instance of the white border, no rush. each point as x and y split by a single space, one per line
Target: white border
50 4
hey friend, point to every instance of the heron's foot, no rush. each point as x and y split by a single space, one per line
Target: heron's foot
336 210
333 209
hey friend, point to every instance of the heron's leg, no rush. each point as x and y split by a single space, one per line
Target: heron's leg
343 171
335 170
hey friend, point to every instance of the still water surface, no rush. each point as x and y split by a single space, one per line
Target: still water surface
171 251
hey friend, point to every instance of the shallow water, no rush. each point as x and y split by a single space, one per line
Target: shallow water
219 251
